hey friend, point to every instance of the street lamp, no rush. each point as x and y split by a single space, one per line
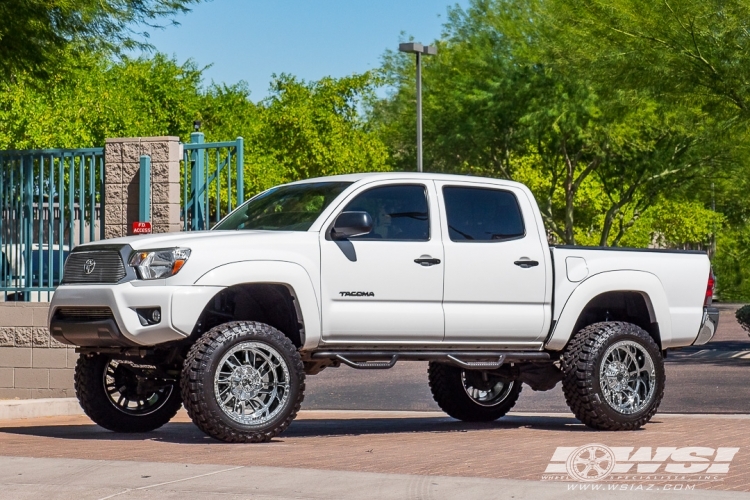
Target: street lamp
418 49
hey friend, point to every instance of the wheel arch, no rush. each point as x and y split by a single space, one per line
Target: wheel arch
633 296
277 293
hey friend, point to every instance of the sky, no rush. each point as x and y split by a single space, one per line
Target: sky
251 40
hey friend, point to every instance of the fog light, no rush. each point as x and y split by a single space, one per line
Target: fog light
149 315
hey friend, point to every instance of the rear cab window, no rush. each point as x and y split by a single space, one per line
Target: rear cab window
478 214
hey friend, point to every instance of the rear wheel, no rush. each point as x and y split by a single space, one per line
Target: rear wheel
471 395
123 396
613 376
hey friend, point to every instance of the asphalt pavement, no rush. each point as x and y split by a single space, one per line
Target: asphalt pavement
705 379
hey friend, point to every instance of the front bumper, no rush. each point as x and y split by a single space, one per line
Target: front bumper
181 306
708 325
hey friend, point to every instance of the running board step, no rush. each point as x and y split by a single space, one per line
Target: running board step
478 365
368 365
469 360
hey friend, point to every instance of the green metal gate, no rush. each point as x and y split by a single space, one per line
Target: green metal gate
212 181
50 201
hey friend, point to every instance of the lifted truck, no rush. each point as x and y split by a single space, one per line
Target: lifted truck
367 270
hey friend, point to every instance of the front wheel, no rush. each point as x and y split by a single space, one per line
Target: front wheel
243 382
471 395
613 376
123 396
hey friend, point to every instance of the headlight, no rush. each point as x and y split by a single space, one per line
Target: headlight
155 264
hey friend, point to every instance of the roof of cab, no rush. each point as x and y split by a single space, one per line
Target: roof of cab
405 176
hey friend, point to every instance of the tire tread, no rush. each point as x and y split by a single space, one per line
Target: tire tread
89 388
194 371
449 394
579 363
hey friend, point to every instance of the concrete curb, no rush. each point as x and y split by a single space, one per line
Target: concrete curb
13 409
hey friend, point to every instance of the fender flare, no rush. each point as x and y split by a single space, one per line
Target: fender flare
645 283
289 274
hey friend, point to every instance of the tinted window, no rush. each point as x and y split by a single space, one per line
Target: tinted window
398 212
477 214
284 208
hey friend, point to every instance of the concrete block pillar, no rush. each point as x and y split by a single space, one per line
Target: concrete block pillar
121 184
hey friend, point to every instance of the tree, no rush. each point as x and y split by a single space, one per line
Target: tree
36 34
694 49
597 158
304 129
97 98
315 129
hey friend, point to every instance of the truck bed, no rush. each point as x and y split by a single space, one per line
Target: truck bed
675 281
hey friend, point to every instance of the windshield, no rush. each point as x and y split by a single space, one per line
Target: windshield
284 208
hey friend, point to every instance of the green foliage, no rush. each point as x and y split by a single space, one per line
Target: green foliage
38 36
494 100
314 129
694 49
743 317
732 264
304 129
96 99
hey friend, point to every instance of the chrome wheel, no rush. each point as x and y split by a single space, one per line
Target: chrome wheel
251 383
483 390
129 394
627 377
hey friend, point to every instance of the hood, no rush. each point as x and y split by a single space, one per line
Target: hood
186 238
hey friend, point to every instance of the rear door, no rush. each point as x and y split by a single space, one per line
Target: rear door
495 275
380 287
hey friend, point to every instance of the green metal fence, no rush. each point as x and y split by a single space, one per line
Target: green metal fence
50 201
212 181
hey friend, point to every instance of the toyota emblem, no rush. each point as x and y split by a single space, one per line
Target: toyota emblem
88 266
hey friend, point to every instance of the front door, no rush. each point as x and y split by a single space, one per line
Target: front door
385 286
495 276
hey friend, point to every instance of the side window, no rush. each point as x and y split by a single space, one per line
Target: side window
480 214
399 213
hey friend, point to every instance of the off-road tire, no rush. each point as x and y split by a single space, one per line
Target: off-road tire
581 363
450 395
197 382
91 393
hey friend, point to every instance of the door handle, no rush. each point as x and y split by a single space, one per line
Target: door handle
426 260
525 264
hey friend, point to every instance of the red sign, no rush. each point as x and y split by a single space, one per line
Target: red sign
141 228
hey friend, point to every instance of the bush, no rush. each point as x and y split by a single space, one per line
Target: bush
743 317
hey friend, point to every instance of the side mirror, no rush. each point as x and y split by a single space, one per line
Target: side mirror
351 224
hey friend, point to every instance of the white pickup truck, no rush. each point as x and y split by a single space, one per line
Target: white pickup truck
367 270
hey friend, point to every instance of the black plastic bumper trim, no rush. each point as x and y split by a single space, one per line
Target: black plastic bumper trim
101 333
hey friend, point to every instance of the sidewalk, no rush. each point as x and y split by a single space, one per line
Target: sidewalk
89 479
518 447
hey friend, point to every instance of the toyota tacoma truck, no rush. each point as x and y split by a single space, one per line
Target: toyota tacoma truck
367 270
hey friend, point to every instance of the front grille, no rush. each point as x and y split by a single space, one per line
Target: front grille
95 266
83 313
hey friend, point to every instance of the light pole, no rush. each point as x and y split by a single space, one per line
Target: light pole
418 49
